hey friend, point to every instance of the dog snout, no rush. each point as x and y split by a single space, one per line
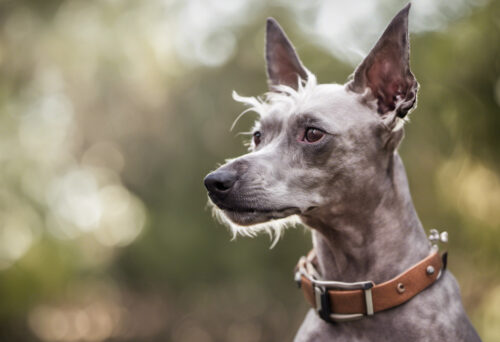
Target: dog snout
219 183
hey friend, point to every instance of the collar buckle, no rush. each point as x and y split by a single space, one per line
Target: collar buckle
323 303
322 297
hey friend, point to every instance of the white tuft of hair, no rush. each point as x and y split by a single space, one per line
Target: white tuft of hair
283 97
273 228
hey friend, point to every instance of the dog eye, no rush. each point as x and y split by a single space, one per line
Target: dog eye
313 134
256 138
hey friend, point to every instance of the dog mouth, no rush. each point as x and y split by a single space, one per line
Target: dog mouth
246 216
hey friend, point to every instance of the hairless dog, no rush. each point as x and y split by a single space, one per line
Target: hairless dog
326 155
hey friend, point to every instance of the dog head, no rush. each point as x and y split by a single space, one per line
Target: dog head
316 145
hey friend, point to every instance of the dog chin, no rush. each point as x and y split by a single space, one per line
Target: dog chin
253 217
253 222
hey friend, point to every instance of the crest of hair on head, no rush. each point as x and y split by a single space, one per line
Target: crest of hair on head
281 96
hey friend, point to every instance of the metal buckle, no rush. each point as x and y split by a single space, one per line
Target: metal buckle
323 305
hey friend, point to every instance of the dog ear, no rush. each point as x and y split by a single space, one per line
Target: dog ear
386 70
283 64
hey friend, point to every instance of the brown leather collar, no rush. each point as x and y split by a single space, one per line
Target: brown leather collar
339 301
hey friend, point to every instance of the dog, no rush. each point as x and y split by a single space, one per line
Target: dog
326 155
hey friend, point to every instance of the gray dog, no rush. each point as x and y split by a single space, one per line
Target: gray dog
326 155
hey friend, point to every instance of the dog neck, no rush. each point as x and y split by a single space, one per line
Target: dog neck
377 241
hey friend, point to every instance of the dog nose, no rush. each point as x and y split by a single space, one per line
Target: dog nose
220 182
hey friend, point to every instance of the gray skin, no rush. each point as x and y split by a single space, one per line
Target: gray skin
349 187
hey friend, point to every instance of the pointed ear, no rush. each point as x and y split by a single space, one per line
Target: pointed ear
283 64
386 70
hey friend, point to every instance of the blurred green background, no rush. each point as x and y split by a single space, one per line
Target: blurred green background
112 112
